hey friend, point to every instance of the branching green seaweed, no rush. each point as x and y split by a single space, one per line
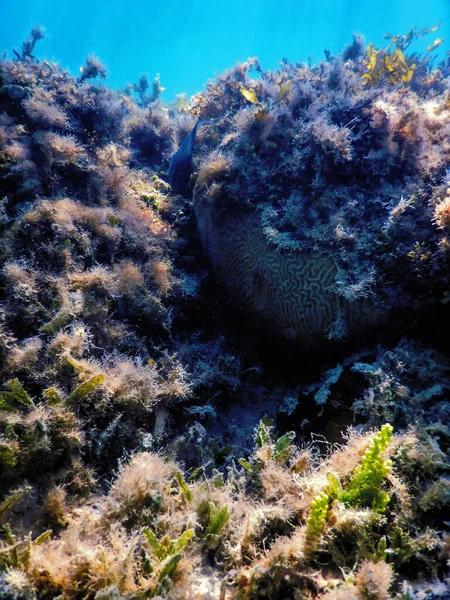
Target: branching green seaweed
317 519
365 487
363 490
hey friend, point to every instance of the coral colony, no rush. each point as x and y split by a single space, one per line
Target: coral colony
181 346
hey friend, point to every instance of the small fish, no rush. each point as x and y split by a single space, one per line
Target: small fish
285 89
249 95
180 167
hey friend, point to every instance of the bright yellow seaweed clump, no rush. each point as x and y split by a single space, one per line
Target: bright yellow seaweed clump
396 67
382 65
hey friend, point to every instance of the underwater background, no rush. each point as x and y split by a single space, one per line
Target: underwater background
224 301
188 42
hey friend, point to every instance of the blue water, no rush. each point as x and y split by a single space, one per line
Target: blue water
189 41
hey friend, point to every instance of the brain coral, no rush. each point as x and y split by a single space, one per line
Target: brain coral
291 290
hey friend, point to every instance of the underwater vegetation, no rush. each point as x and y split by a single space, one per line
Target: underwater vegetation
89 287
146 449
266 527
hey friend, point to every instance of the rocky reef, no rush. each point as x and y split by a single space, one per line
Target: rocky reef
238 391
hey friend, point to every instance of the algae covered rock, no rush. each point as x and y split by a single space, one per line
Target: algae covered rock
322 193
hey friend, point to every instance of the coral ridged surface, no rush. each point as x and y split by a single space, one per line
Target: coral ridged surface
290 290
